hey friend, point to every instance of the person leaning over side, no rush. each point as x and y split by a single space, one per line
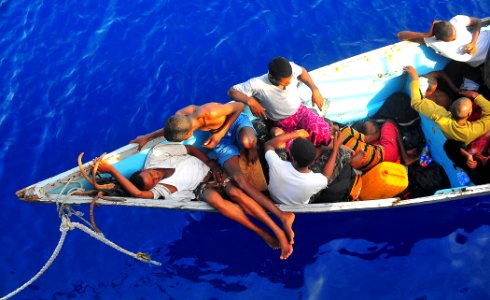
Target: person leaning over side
453 40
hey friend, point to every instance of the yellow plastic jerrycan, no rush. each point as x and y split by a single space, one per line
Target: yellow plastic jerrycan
385 180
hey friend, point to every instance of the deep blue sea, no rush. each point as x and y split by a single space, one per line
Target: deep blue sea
91 75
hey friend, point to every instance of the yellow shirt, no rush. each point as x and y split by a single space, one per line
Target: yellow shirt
444 119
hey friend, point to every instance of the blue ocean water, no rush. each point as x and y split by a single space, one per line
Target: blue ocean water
91 75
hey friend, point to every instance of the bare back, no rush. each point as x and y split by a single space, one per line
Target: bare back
440 98
210 116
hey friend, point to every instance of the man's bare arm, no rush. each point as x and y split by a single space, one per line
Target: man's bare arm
316 96
212 164
417 37
215 110
330 165
280 141
143 139
105 167
257 109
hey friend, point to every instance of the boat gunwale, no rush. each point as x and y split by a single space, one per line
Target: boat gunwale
446 195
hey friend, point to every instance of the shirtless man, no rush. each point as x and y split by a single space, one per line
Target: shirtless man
184 172
429 88
230 130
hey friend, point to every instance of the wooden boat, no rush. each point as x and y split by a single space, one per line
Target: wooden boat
356 88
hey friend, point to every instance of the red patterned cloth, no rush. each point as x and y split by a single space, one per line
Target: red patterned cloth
308 120
480 145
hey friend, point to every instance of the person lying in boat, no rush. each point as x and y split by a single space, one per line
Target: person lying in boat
293 183
429 88
275 97
453 40
183 173
230 130
375 145
454 124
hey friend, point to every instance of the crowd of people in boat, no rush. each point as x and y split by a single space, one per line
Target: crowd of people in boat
300 151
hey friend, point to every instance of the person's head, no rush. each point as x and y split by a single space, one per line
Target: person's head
302 152
280 71
444 31
145 180
428 85
177 128
371 130
461 109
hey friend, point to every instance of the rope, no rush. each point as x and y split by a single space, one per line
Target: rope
64 230
66 225
139 256
64 212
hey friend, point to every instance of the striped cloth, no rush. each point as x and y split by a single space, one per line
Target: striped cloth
355 141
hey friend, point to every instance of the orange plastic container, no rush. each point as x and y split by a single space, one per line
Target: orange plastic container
385 180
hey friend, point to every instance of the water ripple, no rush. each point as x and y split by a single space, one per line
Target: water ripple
89 76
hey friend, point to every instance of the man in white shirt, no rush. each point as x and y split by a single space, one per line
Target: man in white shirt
183 173
293 183
275 96
453 40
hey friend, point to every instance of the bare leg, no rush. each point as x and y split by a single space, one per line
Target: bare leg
249 205
233 212
249 141
232 168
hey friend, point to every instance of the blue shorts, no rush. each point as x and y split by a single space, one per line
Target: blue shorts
230 144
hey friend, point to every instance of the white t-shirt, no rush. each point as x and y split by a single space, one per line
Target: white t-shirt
278 103
189 170
287 185
455 49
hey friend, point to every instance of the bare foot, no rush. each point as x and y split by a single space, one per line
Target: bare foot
286 247
270 240
357 159
287 224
